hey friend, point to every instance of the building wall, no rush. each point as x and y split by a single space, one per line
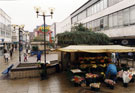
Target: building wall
114 19
5 27
60 27
65 25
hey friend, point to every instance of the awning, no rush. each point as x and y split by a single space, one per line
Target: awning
97 48
1 45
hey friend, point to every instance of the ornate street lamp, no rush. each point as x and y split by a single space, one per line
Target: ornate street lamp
44 16
20 29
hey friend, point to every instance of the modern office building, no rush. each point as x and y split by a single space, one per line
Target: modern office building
115 18
5 30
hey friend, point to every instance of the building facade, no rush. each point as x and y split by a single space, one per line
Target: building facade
5 30
115 18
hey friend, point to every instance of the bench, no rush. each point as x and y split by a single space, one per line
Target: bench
6 71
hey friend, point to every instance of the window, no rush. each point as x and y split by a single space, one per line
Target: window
120 18
85 25
132 15
110 21
93 26
106 22
82 15
105 3
74 19
101 23
98 25
98 7
95 9
89 11
90 25
111 2
115 20
102 4
126 17
92 9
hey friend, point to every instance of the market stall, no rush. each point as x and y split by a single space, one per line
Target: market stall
91 62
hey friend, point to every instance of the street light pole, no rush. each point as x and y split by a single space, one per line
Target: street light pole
20 28
44 16
19 46
44 41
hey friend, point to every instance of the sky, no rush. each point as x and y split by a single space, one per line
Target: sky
23 12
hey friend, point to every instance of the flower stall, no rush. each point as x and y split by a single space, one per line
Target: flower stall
91 62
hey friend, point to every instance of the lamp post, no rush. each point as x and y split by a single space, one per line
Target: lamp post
44 16
20 29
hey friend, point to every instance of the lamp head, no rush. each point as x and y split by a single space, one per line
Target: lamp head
37 9
51 11
43 12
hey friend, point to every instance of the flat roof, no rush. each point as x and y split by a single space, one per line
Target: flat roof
80 7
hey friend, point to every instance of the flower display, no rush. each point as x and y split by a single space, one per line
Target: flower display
102 65
90 75
109 81
95 85
77 79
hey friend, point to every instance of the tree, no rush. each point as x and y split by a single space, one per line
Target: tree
82 35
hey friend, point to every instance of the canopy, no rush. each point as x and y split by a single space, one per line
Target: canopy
97 48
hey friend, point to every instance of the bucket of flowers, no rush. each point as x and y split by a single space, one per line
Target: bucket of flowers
77 80
95 86
91 78
110 83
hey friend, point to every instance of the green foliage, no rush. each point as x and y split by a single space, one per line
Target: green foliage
34 48
79 27
81 35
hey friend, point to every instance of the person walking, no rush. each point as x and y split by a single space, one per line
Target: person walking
6 56
11 52
25 57
38 56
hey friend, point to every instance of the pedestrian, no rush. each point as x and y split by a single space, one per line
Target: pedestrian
130 55
11 52
113 57
26 50
25 57
111 71
6 56
5 50
38 56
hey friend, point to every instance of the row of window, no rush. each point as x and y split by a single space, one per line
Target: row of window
5 30
121 18
97 7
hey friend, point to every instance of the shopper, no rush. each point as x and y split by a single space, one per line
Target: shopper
38 56
6 56
25 57
113 57
111 71
11 52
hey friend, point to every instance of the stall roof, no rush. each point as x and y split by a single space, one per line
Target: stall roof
97 48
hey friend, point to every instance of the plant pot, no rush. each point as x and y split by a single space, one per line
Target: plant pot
125 85
95 89
111 87
76 84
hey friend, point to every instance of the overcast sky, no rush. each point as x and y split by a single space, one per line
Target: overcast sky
22 11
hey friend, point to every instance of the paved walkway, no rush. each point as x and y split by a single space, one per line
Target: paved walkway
56 83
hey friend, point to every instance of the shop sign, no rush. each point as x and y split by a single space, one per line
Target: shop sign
124 42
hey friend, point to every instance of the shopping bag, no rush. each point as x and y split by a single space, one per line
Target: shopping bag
127 76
